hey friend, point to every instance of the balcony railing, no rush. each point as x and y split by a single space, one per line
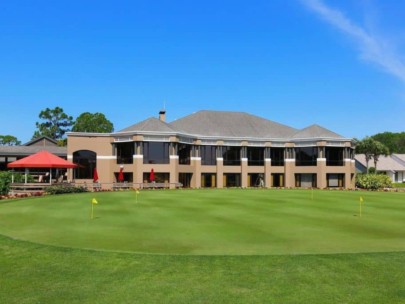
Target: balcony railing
185 161
125 160
255 162
232 162
156 161
209 162
305 163
334 162
277 162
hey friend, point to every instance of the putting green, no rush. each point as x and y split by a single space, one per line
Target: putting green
212 222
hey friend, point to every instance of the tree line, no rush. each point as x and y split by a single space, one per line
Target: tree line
395 142
55 123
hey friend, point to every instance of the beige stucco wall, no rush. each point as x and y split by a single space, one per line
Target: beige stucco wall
107 165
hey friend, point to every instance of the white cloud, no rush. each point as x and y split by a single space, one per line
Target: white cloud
372 48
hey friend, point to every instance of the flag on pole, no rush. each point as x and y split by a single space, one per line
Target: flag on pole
361 202
136 195
93 202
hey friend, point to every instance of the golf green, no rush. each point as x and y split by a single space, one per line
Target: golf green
212 222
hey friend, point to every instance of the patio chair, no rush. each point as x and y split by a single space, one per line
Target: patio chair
45 178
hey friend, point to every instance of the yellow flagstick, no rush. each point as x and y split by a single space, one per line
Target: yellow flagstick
361 202
93 202
312 193
136 195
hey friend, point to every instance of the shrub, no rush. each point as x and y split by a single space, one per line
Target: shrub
62 189
373 181
5 181
6 178
372 170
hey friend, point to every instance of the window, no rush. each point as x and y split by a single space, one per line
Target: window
232 180
184 153
231 156
255 180
208 180
335 180
185 179
125 152
160 177
277 157
277 180
306 156
334 156
87 162
255 156
156 153
128 176
3 164
305 180
208 155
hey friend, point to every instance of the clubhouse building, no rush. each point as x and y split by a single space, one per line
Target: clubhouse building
214 149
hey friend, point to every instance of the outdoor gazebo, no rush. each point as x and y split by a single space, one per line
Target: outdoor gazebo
42 159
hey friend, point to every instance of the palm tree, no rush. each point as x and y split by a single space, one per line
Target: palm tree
377 150
365 147
371 149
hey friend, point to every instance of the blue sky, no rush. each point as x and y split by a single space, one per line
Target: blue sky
339 64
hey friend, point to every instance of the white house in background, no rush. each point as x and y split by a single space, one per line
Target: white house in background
392 165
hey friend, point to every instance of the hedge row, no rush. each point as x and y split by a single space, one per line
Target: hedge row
63 189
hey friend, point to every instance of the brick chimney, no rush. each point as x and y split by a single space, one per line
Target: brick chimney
162 115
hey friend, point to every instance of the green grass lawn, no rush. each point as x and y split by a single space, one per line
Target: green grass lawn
204 246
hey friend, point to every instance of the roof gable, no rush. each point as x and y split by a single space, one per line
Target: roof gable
316 131
151 124
43 141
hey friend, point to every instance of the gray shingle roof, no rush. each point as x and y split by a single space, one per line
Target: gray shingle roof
35 140
399 157
231 125
316 131
385 163
28 150
151 124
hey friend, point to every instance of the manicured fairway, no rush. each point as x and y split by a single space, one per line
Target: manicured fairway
213 222
32 273
203 240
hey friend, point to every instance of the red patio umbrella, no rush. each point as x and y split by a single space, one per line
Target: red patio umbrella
152 176
121 175
95 175
42 159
